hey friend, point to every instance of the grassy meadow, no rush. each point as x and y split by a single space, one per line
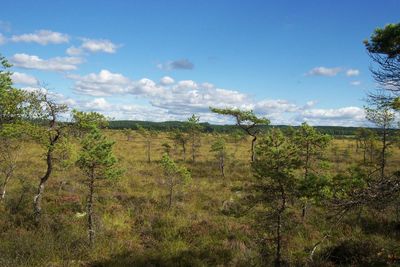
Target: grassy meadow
206 226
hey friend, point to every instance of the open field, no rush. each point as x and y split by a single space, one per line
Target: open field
206 226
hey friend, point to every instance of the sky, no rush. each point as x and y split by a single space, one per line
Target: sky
290 61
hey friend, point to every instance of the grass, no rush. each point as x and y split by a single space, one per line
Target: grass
134 227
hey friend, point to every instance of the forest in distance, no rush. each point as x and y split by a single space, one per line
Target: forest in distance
228 128
91 191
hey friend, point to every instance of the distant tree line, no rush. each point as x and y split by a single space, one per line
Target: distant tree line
338 131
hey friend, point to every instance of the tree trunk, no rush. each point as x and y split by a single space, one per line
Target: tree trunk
364 156
306 171
281 210
383 153
278 259
148 151
90 210
184 150
253 148
304 211
193 148
3 189
37 200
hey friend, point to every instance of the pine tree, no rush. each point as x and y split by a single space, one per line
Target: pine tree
97 161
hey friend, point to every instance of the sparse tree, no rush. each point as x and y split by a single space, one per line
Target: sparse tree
12 100
365 140
10 151
174 176
180 138
381 114
311 145
149 136
83 122
277 159
384 49
128 132
248 122
97 161
49 111
219 150
194 129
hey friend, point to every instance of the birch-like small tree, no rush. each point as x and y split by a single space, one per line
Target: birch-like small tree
97 161
10 150
381 114
194 130
49 111
219 150
128 132
181 139
149 136
365 141
174 176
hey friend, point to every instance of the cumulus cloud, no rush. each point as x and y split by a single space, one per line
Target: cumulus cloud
324 71
100 45
346 116
177 100
188 96
166 80
270 106
74 51
180 64
52 64
102 84
93 46
352 72
42 37
98 104
127 111
23 78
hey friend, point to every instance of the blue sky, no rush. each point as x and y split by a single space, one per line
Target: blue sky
291 61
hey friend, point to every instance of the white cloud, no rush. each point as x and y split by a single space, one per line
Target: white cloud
355 83
23 78
93 46
99 104
180 64
180 99
189 97
270 106
186 84
42 37
58 97
323 71
102 84
346 116
100 45
352 72
166 80
74 51
51 64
